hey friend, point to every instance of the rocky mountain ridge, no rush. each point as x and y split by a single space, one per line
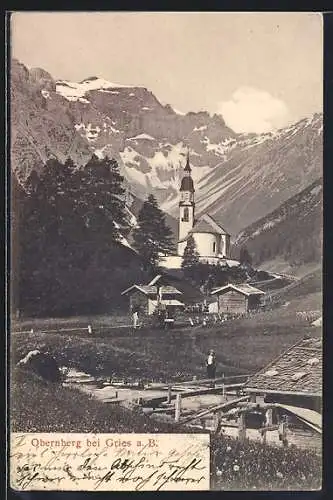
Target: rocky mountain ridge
239 178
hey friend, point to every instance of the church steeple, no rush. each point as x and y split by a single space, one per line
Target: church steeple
186 204
188 166
187 181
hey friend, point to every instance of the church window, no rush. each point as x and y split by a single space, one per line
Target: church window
186 215
214 247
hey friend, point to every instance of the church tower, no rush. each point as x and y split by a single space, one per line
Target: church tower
186 206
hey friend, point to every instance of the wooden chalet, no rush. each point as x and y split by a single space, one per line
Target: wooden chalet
145 298
235 299
293 378
190 294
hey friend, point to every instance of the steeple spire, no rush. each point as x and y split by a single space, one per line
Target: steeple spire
187 166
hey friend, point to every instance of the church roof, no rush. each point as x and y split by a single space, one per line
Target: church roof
187 184
206 224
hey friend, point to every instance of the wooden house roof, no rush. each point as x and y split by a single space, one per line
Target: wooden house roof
296 371
190 293
155 280
244 288
152 290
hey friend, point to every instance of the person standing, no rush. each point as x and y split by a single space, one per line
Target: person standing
135 318
211 364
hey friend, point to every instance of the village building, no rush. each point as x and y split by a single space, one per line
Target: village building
292 385
293 378
211 239
284 399
235 299
146 298
190 293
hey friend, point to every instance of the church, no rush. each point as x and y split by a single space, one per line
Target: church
211 239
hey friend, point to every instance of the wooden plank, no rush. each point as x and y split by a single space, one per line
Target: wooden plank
199 381
269 428
214 409
292 393
317 349
166 411
156 401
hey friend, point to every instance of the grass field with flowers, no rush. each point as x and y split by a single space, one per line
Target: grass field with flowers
40 406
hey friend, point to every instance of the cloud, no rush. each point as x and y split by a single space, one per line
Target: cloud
254 110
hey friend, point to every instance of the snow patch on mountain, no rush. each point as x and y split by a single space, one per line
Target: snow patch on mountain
131 217
46 94
135 176
73 91
89 131
219 149
165 169
315 191
142 136
179 112
92 132
197 129
129 155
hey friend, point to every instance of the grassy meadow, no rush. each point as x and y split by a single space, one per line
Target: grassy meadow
40 406
242 346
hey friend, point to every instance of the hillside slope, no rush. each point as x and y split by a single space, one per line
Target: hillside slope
309 284
292 233
261 172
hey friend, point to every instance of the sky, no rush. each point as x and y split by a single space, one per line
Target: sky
261 71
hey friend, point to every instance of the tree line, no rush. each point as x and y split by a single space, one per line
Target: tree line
68 256
67 226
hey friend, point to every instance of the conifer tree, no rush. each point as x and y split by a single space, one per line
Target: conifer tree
245 257
102 198
190 258
152 236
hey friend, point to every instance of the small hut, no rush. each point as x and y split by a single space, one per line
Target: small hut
236 299
190 294
146 298
289 390
293 378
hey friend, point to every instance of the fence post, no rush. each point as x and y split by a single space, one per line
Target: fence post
178 406
269 417
241 427
264 436
283 433
169 395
